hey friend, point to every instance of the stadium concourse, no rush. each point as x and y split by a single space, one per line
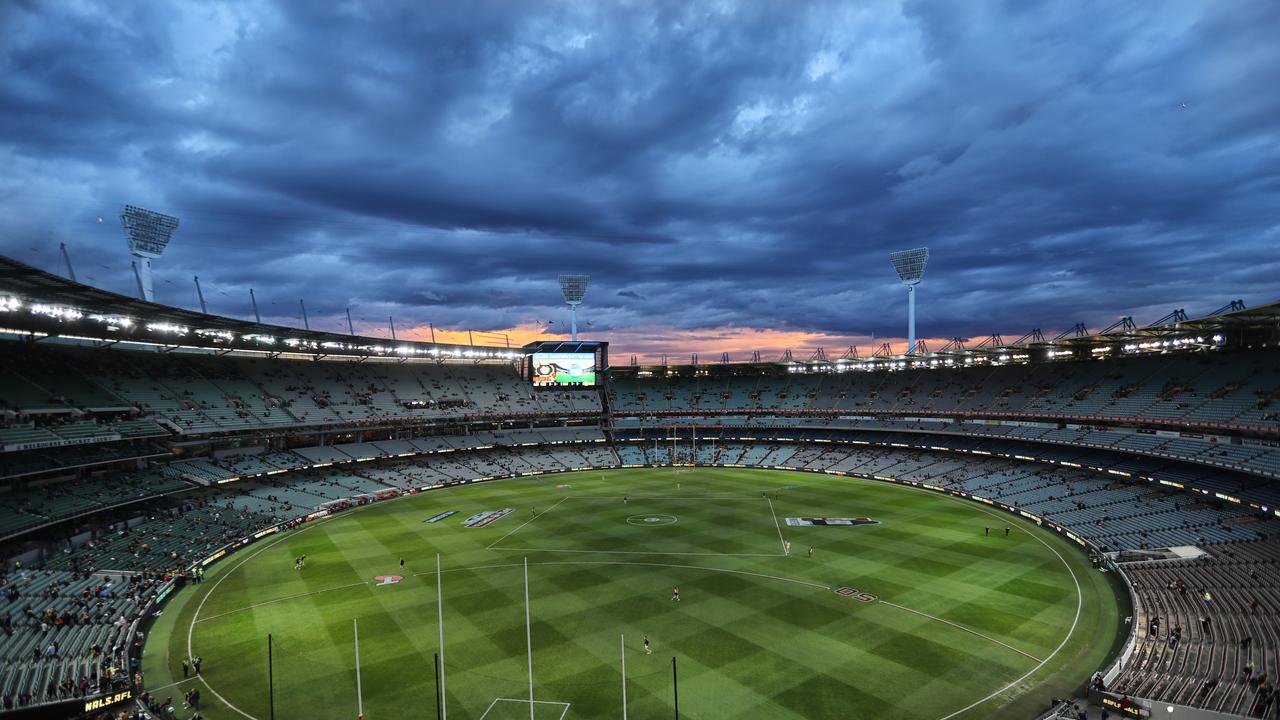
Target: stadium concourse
140 444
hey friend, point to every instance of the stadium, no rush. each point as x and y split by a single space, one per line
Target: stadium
693 359
307 524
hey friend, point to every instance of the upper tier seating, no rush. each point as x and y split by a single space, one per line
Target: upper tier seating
27 506
203 394
1234 387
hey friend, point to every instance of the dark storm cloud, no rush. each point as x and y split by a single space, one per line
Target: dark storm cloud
709 164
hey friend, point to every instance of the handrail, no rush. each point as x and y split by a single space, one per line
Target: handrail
975 414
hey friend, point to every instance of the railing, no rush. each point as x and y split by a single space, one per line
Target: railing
1112 671
967 414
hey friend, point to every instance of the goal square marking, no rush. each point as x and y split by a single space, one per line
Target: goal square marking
501 714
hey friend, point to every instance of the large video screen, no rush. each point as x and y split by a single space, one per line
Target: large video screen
562 369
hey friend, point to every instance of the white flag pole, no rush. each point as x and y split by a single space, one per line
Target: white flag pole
444 700
359 697
622 641
528 633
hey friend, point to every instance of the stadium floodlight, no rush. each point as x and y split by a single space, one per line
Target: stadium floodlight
148 233
574 288
910 267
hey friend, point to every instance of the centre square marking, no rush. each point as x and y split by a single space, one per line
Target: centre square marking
622 524
651 520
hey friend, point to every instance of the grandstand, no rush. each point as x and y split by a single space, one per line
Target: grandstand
129 458
1233 588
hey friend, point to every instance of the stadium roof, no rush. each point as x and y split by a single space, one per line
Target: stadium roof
38 303
1232 326
49 305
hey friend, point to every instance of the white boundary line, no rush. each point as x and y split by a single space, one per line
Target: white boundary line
166 687
1074 579
1075 622
526 522
1067 565
269 602
776 525
961 627
195 617
279 538
200 606
539 702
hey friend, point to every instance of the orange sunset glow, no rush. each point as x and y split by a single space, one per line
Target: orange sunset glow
650 343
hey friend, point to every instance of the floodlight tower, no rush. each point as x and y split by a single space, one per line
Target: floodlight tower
910 266
147 233
574 288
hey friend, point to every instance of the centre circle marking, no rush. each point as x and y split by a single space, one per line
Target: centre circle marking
653 520
669 519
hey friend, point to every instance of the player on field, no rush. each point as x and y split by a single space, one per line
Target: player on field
675 593
401 563
810 551
647 650
1006 532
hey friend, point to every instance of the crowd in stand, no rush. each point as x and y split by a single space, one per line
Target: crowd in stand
1208 629
1239 387
64 633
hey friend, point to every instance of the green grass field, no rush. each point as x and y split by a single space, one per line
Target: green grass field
964 625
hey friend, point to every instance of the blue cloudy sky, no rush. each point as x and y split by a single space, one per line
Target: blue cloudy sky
732 175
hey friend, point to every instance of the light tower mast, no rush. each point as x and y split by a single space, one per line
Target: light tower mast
148 233
574 288
910 267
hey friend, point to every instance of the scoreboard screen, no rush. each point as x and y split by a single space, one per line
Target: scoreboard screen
562 369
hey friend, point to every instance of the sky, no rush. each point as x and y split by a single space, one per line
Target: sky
731 175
